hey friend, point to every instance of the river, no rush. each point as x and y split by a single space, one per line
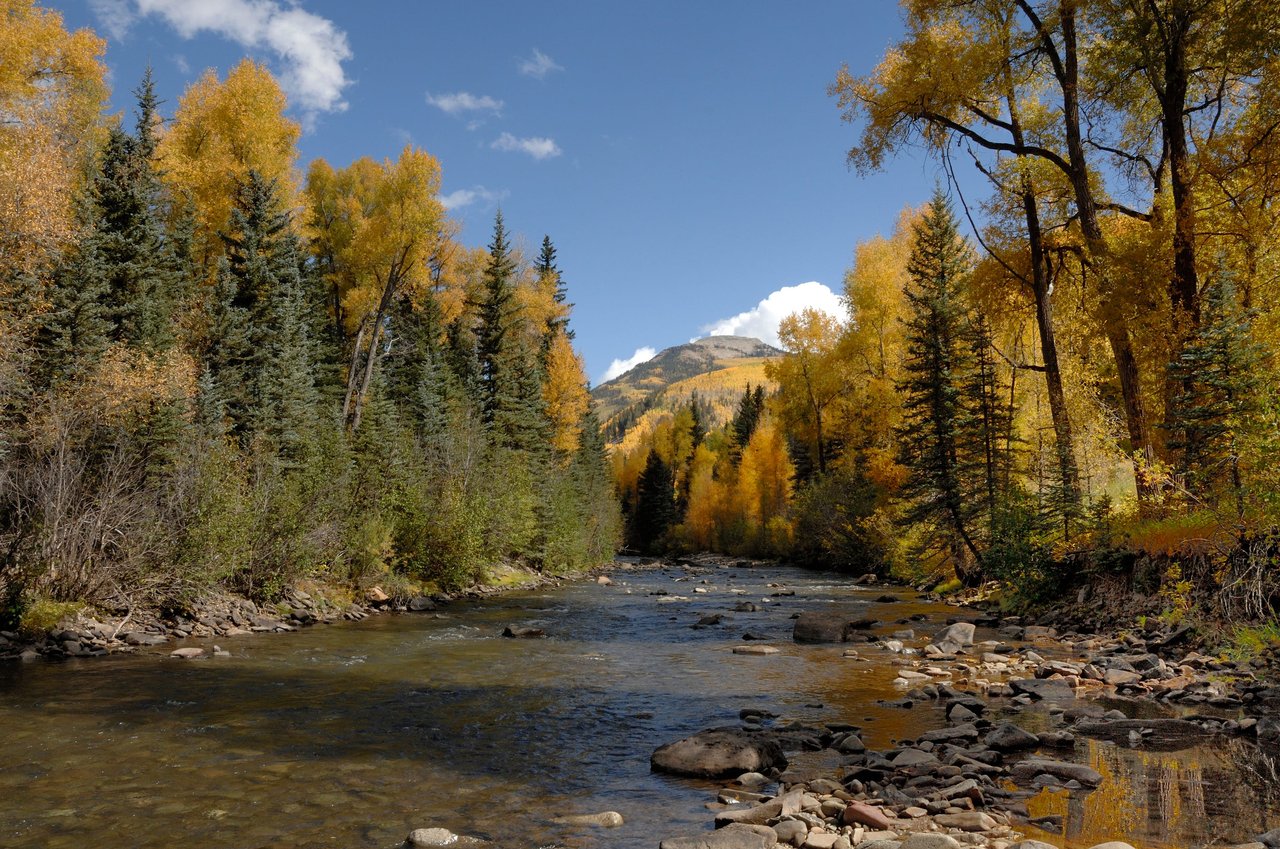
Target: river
351 735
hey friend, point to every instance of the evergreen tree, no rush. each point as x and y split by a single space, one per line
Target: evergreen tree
1218 372
286 406
76 328
984 422
495 318
937 491
745 420
545 269
655 510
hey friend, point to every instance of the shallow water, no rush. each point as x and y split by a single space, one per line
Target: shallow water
351 735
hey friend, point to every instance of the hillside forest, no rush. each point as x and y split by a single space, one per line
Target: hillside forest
218 371
1089 380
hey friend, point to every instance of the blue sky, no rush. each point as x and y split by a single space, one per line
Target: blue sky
684 157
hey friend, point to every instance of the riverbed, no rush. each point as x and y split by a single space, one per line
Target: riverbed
351 735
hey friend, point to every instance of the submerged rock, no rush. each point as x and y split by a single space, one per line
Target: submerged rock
720 752
517 632
604 819
730 837
431 837
822 626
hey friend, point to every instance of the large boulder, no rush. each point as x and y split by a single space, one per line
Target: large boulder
954 637
729 837
824 626
1007 737
720 752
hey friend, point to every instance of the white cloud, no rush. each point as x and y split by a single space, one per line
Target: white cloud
460 102
310 48
538 65
619 367
465 197
538 148
762 322
115 16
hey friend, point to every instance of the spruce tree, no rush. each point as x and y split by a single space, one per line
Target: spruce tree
937 491
1218 372
984 422
76 328
655 511
495 318
545 268
745 420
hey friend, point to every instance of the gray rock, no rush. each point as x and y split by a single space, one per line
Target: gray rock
791 831
824 626
967 821
960 634
754 650
517 632
1112 844
882 843
1032 844
1050 690
421 604
719 752
1007 737
431 837
730 837
1271 839
928 840
782 806
604 819
142 638
1028 769
187 653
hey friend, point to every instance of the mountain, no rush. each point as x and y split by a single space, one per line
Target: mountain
717 368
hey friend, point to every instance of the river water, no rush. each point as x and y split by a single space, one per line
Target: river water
352 735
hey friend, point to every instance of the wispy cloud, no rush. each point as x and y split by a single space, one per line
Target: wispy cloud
466 197
538 148
762 321
538 65
463 102
310 49
621 367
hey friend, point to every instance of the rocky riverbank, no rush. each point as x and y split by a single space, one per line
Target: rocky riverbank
967 782
224 616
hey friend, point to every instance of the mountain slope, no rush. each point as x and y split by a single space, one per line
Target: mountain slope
718 368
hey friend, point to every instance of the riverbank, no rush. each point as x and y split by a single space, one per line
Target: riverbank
1013 711
85 632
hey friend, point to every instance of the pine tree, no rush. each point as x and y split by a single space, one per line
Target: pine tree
77 326
285 412
495 318
984 422
936 490
655 511
1218 372
545 269
745 420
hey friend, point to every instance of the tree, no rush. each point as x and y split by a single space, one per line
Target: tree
373 228
222 131
655 510
52 91
809 373
932 403
1219 375
496 314
750 408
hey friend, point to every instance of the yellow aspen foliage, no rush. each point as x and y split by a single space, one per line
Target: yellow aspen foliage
810 378
706 494
763 491
222 131
52 92
565 393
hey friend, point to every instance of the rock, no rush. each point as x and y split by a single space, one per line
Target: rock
820 840
791 831
729 837
1028 769
1032 844
142 638
421 604
914 757
881 843
29 654
1034 632
928 840
719 752
753 780
754 650
1270 839
822 626
707 621
954 636
376 596
187 653
604 581
1156 733
1007 737
781 806
431 837
1050 690
967 821
604 819
960 713
1112 844
517 632
915 812
1119 677
860 813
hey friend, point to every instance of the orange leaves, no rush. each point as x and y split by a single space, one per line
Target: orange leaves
222 131
51 94
565 394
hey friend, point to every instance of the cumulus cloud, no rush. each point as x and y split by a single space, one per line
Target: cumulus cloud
538 65
462 102
620 367
465 197
538 148
762 322
310 48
